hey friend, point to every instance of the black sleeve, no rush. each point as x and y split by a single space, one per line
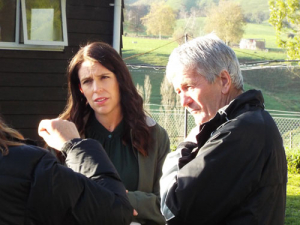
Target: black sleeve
66 197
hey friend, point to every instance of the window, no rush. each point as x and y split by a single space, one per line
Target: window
33 24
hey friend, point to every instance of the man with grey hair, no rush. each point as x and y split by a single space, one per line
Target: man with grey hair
234 170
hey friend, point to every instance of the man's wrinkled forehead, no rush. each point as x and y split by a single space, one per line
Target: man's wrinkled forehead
179 69
183 77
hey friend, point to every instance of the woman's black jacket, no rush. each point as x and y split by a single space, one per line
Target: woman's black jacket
36 189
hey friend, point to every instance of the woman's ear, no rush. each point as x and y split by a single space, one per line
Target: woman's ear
80 89
226 81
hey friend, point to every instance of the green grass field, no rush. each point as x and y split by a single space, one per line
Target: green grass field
280 86
163 48
140 47
254 5
293 200
264 31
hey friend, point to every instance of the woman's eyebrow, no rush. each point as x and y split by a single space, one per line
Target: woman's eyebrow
102 74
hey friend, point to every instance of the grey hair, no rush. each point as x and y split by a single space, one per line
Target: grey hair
208 56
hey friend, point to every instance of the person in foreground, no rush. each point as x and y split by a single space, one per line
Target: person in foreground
105 105
36 189
234 171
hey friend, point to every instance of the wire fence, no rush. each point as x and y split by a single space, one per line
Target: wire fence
280 85
290 131
174 123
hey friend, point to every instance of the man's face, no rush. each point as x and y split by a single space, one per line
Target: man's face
201 98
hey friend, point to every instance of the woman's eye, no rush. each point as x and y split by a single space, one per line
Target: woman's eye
86 81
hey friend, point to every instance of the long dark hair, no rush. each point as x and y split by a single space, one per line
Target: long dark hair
134 115
8 137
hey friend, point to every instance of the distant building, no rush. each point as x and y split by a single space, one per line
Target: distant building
253 44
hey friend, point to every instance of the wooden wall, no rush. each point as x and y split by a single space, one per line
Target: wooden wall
33 83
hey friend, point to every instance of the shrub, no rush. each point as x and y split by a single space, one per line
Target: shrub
173 147
293 160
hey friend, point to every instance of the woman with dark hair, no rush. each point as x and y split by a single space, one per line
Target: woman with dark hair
36 189
105 105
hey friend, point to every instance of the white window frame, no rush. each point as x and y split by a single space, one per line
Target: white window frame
35 45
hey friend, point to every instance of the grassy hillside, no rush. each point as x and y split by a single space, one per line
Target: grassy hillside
255 31
264 31
280 86
140 47
251 6
248 6
136 45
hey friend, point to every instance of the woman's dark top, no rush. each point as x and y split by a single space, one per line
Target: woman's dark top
122 156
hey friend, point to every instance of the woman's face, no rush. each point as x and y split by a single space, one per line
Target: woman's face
101 89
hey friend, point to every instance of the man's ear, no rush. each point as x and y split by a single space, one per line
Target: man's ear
226 81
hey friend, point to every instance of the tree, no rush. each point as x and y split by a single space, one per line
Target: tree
284 16
205 4
160 20
259 17
189 26
133 17
227 20
171 110
256 17
178 4
145 92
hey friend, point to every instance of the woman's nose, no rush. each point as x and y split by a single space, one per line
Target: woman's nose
96 86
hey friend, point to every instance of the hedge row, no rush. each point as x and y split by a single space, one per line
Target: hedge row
293 160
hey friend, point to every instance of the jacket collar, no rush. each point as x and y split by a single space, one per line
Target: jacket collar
251 98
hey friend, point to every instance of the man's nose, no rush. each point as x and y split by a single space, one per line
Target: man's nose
185 99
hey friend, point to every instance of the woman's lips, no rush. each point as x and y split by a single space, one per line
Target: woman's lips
100 100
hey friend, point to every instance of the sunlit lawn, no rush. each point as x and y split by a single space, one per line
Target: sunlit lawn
261 31
141 47
293 200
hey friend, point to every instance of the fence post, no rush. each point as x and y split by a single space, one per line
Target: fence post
185 123
185 110
291 140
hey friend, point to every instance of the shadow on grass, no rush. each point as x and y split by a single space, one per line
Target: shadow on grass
292 211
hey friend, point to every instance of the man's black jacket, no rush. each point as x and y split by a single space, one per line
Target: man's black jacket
235 174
